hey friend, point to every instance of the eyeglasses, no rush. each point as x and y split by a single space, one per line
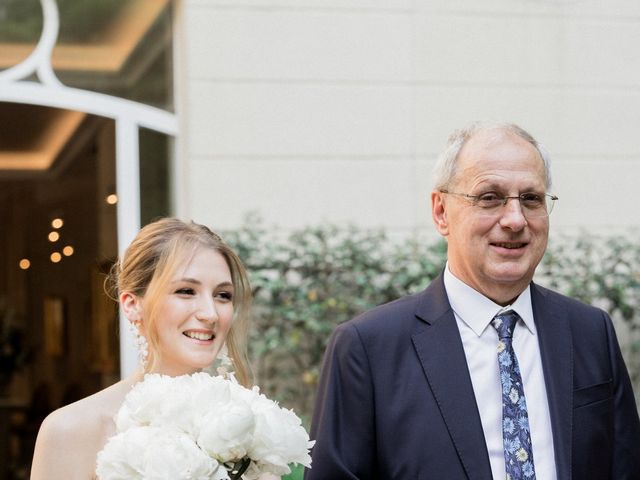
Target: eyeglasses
533 204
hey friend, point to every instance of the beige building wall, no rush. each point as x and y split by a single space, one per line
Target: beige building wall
311 111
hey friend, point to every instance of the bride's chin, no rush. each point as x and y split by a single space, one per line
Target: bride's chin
203 364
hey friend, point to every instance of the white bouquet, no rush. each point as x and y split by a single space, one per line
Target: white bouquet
201 427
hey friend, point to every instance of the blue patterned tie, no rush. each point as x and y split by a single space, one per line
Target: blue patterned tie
518 456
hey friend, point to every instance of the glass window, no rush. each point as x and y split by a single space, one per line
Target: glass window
118 47
154 175
20 28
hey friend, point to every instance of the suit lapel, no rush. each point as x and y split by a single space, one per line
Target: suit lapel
441 354
556 351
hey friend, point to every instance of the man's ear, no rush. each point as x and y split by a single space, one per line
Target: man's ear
131 306
439 212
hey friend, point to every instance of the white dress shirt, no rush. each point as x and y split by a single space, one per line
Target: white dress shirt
474 312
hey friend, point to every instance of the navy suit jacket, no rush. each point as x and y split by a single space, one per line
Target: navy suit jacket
395 399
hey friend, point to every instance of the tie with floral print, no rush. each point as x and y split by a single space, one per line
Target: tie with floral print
518 456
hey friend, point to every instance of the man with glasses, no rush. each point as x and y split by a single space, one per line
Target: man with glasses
484 374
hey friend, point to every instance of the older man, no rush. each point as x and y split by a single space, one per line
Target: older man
484 374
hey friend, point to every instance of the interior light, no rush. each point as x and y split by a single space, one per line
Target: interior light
57 223
68 251
24 264
55 257
112 199
54 236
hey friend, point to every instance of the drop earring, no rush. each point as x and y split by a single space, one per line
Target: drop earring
222 365
225 366
140 342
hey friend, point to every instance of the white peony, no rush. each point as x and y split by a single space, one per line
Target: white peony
187 427
227 434
160 401
279 437
153 453
208 394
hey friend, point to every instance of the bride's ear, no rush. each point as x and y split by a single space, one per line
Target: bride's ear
131 306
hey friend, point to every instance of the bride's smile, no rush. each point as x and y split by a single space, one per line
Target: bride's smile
203 336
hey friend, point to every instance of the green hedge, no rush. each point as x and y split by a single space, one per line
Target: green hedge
309 280
297 472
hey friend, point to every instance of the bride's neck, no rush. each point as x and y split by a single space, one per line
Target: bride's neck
134 378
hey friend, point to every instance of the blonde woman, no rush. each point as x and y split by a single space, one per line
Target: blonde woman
187 295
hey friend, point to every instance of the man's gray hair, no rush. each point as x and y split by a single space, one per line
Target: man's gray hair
445 169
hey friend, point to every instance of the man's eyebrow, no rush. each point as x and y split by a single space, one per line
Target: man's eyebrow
492 185
488 185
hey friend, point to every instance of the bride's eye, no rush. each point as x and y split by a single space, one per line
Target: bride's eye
226 296
185 291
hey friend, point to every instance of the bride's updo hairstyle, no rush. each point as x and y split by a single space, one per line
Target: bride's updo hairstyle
149 264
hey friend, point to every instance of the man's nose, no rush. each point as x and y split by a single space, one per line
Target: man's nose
512 215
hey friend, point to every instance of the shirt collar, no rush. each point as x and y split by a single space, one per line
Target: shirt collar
477 311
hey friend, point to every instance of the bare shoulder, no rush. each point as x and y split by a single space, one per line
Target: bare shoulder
79 431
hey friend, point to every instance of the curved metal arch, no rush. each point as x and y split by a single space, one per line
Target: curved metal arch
100 104
51 92
129 116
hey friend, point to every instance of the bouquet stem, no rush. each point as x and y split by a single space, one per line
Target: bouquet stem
239 468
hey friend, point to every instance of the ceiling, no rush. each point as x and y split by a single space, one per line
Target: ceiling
32 137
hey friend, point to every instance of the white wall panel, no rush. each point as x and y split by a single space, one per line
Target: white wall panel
265 44
569 8
597 193
291 193
472 49
299 119
603 53
478 49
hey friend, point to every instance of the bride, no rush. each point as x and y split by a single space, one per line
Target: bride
186 294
